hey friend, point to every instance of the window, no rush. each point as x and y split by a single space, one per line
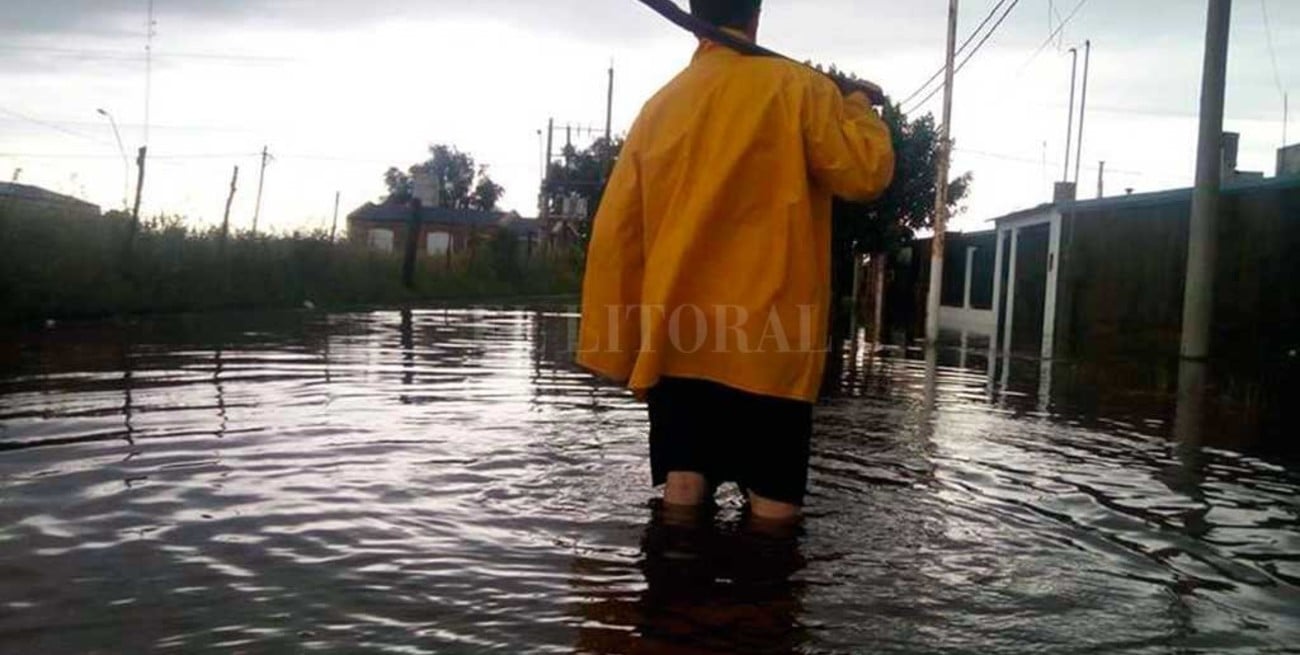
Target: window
381 240
438 244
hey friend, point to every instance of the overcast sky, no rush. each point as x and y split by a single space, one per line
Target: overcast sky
341 89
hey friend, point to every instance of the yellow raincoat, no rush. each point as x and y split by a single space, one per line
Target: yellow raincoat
710 255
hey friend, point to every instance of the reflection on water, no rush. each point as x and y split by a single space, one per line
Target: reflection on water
446 481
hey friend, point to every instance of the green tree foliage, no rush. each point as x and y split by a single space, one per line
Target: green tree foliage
464 184
891 221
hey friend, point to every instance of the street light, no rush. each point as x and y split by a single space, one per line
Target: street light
126 163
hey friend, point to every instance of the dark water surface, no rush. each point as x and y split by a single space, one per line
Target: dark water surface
445 481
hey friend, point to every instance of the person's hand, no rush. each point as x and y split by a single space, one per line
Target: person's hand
849 86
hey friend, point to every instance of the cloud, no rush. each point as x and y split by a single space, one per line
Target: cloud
128 17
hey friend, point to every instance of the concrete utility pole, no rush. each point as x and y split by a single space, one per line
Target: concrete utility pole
261 179
1101 180
941 187
1083 113
609 107
1069 126
334 229
1198 295
230 199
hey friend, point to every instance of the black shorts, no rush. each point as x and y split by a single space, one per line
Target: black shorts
761 443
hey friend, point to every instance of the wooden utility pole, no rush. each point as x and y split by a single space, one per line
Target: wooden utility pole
139 188
230 199
1198 294
937 245
412 245
335 228
261 179
544 210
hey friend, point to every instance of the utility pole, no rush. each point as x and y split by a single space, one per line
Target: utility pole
609 107
550 149
1083 112
1101 180
230 199
545 209
1069 127
1198 295
261 179
941 187
18 172
139 188
335 228
412 245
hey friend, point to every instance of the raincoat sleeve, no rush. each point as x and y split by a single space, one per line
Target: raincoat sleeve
849 149
609 336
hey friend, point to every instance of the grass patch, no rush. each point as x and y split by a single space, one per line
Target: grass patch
61 267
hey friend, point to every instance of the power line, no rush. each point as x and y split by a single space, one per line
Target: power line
172 127
993 12
973 52
52 126
31 155
1052 36
127 55
1038 162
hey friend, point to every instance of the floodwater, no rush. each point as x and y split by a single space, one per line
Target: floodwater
446 481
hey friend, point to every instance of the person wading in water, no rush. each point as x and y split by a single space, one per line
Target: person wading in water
707 288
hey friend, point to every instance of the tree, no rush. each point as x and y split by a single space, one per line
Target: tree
463 183
891 221
486 193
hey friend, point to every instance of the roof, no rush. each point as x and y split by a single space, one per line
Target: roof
399 213
961 236
523 226
1021 213
37 194
1239 187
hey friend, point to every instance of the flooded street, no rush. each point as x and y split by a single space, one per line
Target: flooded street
447 481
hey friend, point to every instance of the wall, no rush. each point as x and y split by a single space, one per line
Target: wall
908 283
1123 269
461 236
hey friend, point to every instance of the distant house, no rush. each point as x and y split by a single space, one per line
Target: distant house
443 232
28 199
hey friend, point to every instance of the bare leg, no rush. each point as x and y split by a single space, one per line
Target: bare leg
765 510
685 489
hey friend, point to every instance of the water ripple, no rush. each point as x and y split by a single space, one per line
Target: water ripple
446 481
